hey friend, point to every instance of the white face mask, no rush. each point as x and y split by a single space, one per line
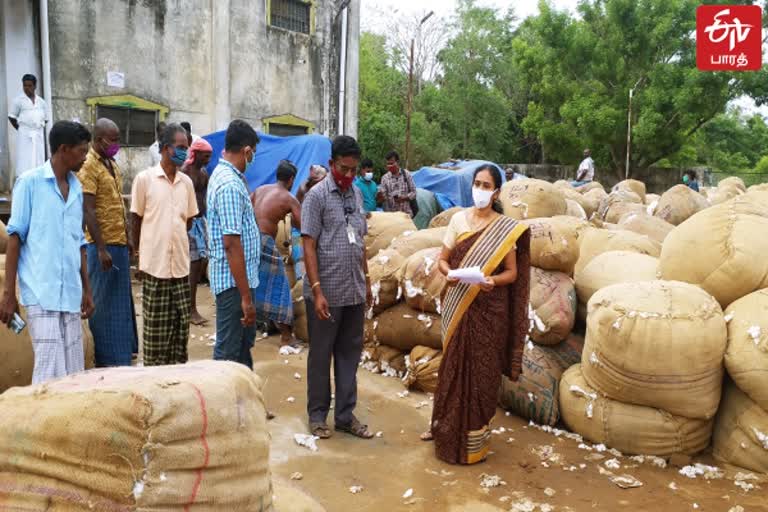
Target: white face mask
368 176
482 198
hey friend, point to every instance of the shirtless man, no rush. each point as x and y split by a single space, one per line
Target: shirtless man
271 203
199 156
316 175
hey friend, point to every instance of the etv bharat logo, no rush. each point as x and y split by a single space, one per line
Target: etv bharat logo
729 38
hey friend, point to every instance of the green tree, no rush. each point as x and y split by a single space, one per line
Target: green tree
581 71
474 114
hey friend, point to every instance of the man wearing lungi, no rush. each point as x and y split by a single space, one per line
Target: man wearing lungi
272 203
199 155
46 250
163 205
113 324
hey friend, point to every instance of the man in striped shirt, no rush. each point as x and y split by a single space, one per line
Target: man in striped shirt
235 243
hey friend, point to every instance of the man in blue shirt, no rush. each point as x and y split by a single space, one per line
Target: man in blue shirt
234 241
46 250
367 186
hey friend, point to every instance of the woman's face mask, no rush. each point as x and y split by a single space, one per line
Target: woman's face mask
482 198
368 176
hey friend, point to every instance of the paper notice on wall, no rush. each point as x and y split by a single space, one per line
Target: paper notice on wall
116 79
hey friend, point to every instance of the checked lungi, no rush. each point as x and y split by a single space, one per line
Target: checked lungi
166 307
273 295
57 341
198 240
113 323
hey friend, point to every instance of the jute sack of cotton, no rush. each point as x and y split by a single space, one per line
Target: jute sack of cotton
656 343
385 269
574 209
732 181
641 223
679 203
741 431
588 187
610 268
553 306
746 357
592 198
186 437
530 199
596 241
534 395
570 194
422 370
618 203
631 429
443 218
554 243
403 328
721 249
383 227
422 282
635 186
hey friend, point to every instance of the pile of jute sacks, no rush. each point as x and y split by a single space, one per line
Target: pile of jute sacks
648 314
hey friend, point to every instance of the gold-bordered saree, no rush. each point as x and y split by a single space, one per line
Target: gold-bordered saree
483 338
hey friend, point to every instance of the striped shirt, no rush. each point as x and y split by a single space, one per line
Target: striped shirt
230 212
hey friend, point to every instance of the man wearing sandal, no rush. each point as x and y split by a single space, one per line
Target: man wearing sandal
336 290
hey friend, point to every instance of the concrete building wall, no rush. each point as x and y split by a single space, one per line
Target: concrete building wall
208 61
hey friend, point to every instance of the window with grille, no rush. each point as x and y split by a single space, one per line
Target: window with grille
137 126
291 15
286 130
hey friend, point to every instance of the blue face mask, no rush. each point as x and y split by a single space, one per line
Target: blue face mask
179 156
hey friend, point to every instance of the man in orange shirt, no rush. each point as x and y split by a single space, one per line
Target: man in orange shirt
163 205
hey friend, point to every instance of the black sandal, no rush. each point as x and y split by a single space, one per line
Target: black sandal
320 429
356 428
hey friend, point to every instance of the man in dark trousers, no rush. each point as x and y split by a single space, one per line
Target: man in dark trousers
336 289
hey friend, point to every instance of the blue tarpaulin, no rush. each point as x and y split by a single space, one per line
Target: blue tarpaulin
303 150
451 182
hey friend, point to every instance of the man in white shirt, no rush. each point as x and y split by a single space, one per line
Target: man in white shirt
586 172
28 115
154 148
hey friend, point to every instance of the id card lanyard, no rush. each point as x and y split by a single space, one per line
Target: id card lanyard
351 237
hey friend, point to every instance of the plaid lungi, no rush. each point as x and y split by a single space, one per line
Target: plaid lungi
57 341
273 295
198 240
113 324
166 304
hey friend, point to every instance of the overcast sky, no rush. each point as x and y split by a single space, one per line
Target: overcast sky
523 8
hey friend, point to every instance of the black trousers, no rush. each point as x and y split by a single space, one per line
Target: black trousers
340 339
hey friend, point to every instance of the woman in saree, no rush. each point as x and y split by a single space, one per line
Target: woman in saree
484 325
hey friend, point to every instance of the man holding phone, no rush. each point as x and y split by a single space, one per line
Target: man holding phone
46 250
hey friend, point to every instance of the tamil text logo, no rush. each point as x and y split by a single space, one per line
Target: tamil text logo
728 37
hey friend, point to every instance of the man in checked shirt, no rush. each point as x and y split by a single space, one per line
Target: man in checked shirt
336 290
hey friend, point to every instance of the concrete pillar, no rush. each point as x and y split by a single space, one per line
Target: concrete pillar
221 58
353 69
20 56
5 161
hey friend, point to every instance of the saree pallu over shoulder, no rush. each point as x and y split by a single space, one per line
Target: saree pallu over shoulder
487 250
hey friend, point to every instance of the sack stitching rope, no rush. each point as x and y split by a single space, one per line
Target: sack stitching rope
206 449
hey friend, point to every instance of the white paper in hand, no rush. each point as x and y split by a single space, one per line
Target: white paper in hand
470 275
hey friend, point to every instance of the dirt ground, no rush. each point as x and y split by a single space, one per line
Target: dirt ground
539 471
